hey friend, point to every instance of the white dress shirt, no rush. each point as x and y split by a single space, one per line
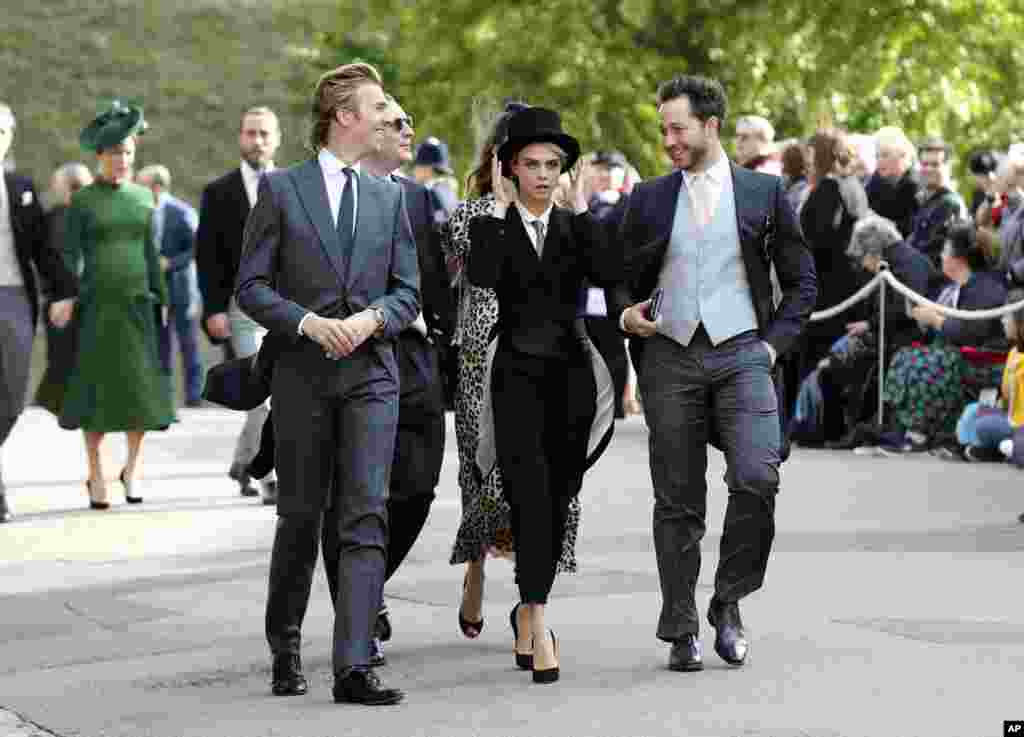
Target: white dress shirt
333 170
713 179
10 269
531 230
251 180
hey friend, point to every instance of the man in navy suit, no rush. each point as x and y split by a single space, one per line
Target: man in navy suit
329 268
174 226
23 245
419 447
710 235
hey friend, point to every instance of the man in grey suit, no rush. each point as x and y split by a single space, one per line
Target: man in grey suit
710 235
329 268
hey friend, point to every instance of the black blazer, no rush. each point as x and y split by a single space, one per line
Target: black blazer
223 210
538 297
914 269
769 235
31 237
435 293
985 290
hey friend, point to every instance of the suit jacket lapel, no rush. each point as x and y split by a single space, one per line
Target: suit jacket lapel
554 237
313 193
748 209
11 214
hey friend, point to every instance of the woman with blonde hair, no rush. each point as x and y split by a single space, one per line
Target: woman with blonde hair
892 190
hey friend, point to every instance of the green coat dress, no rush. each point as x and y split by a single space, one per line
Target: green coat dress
116 383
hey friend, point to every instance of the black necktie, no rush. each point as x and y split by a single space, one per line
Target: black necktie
346 218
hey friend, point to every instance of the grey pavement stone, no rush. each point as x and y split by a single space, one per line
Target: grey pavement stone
886 613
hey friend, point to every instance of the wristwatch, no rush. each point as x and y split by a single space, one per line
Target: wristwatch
382 318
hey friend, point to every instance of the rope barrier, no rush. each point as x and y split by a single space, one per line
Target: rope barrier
865 292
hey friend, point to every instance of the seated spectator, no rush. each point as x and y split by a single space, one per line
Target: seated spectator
892 190
796 167
850 379
983 426
927 386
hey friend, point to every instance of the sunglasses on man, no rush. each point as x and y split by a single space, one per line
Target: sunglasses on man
399 123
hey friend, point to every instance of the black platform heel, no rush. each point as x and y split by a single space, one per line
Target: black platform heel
523 660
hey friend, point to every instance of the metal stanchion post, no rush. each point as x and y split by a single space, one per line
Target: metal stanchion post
881 350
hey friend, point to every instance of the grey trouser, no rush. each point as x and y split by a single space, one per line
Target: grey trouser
246 338
15 354
342 446
688 393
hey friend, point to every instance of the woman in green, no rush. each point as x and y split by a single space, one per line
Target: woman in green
116 384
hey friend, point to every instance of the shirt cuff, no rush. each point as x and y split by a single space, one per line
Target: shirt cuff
622 320
304 318
771 351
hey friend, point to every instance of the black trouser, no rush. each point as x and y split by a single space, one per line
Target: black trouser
543 409
688 391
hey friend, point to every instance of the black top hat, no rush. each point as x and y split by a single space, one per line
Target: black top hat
112 126
433 152
983 163
537 125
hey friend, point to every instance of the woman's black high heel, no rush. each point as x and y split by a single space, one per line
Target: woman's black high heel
127 483
548 675
471 630
93 503
523 660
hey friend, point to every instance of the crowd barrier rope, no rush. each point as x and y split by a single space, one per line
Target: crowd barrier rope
881 281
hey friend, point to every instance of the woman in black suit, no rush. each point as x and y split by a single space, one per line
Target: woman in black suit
536 256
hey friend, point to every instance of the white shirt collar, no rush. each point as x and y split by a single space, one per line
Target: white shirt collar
529 218
252 173
331 165
717 172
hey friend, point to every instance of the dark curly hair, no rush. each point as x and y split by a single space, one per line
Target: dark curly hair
478 181
707 96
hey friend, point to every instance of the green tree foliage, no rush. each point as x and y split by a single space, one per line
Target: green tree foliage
948 67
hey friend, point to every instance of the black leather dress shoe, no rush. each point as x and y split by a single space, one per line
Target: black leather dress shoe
687 655
730 641
363 687
287 676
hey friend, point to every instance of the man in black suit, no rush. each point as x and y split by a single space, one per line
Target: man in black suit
710 235
23 244
329 268
419 447
223 210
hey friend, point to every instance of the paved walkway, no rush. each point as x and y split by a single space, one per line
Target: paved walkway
893 607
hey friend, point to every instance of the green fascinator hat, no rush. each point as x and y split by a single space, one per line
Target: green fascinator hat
112 126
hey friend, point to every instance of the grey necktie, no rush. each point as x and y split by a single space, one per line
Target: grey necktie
538 225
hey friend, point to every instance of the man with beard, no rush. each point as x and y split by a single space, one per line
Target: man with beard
224 208
708 236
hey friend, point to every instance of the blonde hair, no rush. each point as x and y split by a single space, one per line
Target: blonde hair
336 90
893 137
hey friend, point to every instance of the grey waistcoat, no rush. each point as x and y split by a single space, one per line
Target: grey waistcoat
704 278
